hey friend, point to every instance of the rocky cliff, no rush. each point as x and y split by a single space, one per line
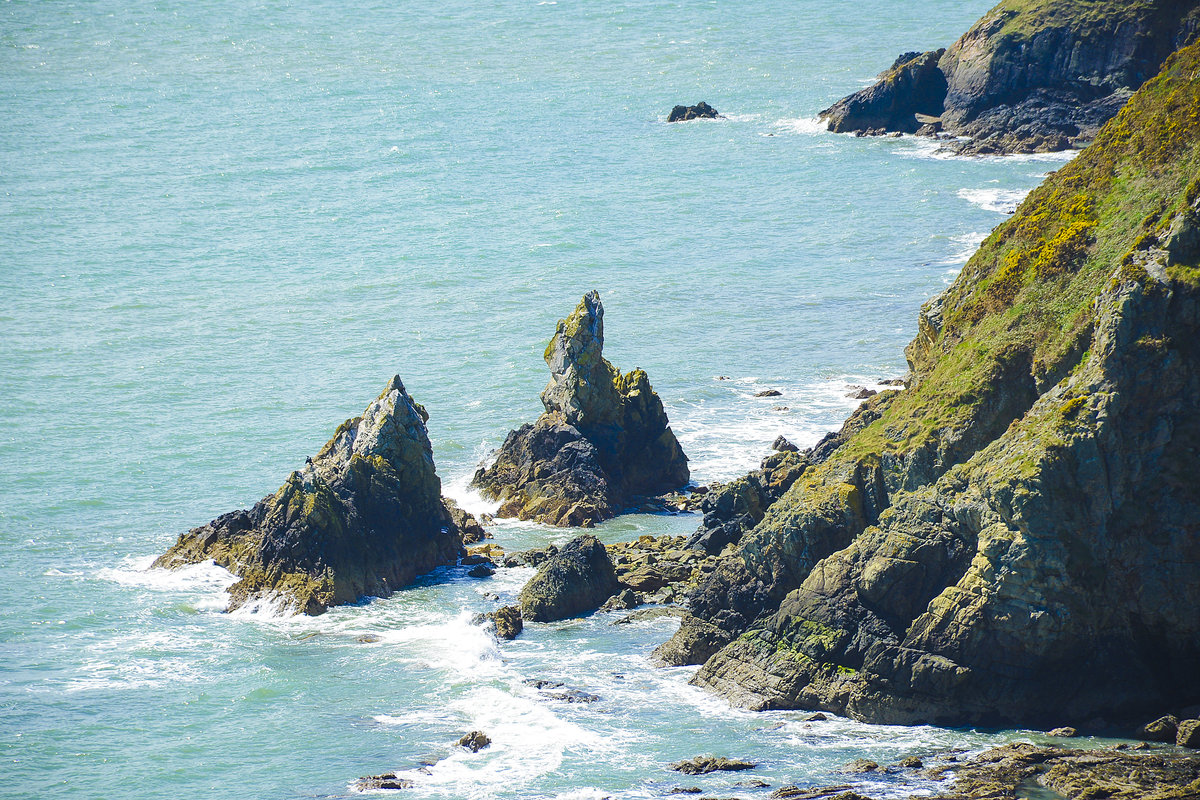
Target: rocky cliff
362 518
603 440
1031 75
1015 538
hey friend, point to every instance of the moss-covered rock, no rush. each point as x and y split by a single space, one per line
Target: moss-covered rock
1014 539
362 518
603 442
1030 76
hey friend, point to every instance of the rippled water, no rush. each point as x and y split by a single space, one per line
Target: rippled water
226 225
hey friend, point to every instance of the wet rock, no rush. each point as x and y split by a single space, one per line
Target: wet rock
702 765
508 622
686 790
362 518
769 393
573 696
574 582
623 600
474 741
472 532
782 445
860 765
1188 733
541 683
860 393
603 442
486 570
1064 732
695 642
371 638
388 780
647 614
701 110
753 783
1162 729
817 717
793 792
912 762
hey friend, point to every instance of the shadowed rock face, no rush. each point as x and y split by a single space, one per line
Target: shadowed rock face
1015 538
573 582
603 440
1030 76
362 518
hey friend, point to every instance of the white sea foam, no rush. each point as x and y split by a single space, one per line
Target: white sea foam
805 125
1002 201
206 579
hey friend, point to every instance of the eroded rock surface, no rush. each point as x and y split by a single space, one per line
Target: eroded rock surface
362 518
573 582
603 441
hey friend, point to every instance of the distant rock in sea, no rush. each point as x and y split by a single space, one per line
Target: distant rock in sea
1028 77
603 440
698 111
362 518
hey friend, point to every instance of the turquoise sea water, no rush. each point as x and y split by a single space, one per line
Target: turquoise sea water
224 226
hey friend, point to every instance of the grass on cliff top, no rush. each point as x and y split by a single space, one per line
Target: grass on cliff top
1027 17
1027 294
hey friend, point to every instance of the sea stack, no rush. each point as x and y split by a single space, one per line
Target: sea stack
362 518
603 440
1014 540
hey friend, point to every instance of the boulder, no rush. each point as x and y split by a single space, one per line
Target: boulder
388 780
603 441
508 621
1188 733
474 741
362 518
1064 732
701 110
574 582
1162 729
782 445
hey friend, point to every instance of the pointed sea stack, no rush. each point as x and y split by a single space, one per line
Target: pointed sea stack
362 518
603 440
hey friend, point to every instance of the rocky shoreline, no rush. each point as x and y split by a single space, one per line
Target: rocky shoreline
1028 77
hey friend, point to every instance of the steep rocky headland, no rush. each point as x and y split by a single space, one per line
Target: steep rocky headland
1013 539
1030 76
603 440
362 518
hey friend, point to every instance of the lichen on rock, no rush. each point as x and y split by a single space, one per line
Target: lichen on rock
362 518
603 440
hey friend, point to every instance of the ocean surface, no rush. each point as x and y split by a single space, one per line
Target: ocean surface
225 225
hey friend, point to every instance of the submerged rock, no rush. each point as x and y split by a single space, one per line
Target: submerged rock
362 518
602 442
574 582
388 780
1027 77
1014 539
701 110
474 741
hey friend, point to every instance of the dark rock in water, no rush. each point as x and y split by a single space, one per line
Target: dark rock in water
769 393
1014 539
1162 729
603 442
912 762
753 783
485 570
909 88
702 765
472 532
782 445
623 600
695 642
1028 77
472 559
699 111
388 780
1188 733
860 393
1065 732
573 696
686 790
474 741
508 622
793 792
860 765
817 717
572 583
371 638
363 518
540 683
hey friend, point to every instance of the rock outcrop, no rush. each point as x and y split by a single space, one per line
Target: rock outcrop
699 111
362 518
573 582
1028 77
1015 538
603 441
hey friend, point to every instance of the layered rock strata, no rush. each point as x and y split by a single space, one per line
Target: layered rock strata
603 440
1030 76
362 518
1014 539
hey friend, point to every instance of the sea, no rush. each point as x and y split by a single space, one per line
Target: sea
224 226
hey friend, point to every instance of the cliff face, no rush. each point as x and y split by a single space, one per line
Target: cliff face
362 518
603 440
1015 538
1031 75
